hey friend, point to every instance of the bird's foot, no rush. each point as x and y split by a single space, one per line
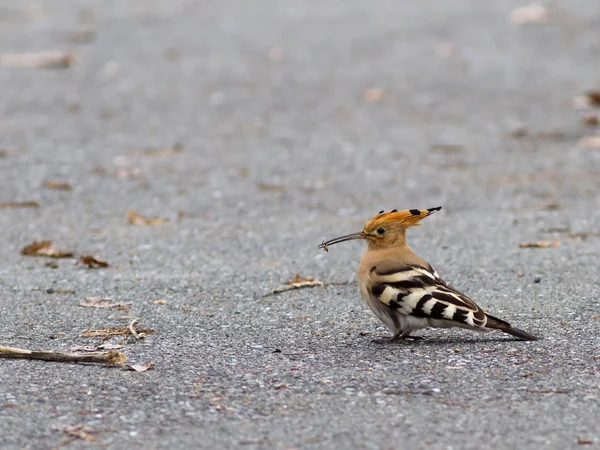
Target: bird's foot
398 339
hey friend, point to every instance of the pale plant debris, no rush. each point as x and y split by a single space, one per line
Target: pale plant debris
171 54
582 102
95 348
539 244
139 367
270 187
275 54
82 36
589 142
116 331
137 219
175 149
103 302
137 335
299 282
373 94
133 172
45 248
93 262
109 357
446 50
46 60
534 13
160 302
58 185
549 391
79 431
583 235
447 148
25 204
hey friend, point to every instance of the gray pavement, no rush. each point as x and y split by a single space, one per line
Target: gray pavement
280 151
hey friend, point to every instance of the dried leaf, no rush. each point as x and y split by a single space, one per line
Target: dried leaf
270 187
102 302
373 94
447 148
59 185
48 60
26 204
593 97
137 219
45 248
530 14
114 332
552 206
93 262
298 281
589 142
590 119
80 431
84 36
584 441
539 244
139 367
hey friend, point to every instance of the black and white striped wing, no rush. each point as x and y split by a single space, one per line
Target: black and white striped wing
419 292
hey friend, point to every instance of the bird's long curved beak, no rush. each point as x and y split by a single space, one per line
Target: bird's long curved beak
348 237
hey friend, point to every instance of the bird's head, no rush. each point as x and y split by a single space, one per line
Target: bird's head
386 229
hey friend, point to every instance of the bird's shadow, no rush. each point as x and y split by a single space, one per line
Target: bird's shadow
432 341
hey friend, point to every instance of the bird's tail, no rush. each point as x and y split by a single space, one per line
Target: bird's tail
497 324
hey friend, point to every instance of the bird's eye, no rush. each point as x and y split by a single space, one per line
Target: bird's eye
380 231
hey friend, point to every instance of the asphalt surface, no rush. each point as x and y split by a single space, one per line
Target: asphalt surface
259 129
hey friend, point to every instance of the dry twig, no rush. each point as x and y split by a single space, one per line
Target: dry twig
110 357
115 332
49 60
26 204
140 335
103 302
299 283
539 244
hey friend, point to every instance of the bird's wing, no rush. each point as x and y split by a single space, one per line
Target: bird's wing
418 291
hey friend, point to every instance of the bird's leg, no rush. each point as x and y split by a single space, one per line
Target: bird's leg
406 335
399 336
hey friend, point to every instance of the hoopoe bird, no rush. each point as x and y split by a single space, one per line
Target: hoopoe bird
403 290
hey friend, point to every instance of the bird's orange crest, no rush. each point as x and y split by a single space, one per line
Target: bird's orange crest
407 218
